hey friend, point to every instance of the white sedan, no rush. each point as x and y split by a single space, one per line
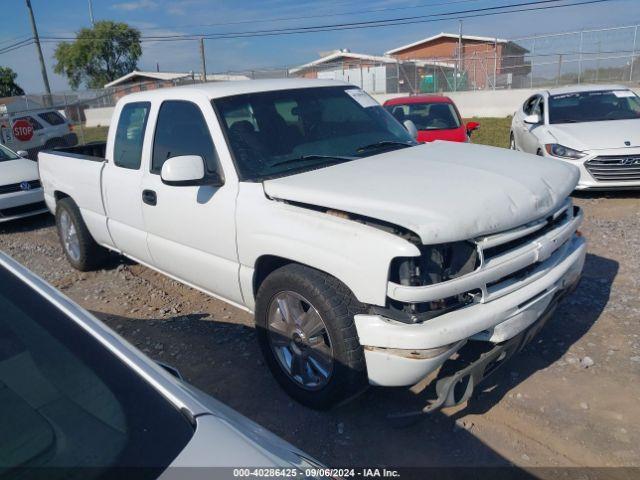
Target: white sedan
21 194
596 128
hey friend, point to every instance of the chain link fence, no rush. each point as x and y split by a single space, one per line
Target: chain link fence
604 55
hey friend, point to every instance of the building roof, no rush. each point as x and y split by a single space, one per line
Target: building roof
214 90
138 75
167 76
471 38
343 54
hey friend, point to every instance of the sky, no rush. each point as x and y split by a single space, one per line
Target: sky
165 17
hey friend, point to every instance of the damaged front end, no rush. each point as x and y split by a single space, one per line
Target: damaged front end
489 294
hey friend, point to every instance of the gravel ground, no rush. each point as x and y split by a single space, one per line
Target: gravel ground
570 399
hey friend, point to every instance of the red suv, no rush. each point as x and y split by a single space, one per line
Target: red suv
435 117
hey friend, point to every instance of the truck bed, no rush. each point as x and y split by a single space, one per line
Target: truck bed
76 172
94 151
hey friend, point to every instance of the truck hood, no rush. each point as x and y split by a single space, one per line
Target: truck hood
16 171
442 191
597 135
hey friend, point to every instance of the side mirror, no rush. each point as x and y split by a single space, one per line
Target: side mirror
23 153
532 119
187 170
411 128
472 126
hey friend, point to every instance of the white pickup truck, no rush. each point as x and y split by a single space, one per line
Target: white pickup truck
366 258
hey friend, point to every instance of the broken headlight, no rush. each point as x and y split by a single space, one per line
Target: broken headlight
437 263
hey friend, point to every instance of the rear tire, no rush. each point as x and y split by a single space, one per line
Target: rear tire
81 250
315 356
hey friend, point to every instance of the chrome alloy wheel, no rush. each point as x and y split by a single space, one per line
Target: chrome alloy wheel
69 236
300 341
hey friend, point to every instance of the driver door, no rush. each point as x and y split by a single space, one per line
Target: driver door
191 229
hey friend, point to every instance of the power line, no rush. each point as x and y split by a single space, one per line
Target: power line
308 17
461 14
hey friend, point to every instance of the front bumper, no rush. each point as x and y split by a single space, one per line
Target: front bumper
21 204
400 354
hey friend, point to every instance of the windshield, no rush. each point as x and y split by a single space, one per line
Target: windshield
67 401
427 116
594 106
6 154
283 132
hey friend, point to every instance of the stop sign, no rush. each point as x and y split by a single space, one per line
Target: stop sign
22 130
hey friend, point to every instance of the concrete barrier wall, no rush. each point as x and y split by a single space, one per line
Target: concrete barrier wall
98 117
481 103
484 103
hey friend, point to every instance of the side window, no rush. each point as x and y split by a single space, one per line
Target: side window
539 109
529 104
127 151
182 130
52 118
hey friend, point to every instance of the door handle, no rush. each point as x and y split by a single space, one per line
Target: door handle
149 197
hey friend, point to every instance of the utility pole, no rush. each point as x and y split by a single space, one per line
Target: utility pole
93 22
43 68
204 63
459 69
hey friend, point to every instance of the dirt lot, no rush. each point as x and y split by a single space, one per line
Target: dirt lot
571 399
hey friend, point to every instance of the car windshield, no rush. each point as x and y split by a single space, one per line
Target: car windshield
6 154
66 402
427 116
594 106
284 132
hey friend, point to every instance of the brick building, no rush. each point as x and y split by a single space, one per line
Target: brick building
481 58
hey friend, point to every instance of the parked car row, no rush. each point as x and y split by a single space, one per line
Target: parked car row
36 130
596 128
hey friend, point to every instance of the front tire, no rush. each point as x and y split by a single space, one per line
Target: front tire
81 250
512 142
306 331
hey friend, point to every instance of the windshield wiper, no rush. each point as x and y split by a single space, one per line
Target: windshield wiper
385 143
332 158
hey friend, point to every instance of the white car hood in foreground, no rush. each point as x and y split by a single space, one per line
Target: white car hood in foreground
597 135
16 171
442 191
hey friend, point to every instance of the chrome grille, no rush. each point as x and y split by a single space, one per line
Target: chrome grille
615 168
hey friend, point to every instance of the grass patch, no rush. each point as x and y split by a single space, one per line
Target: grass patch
91 134
492 131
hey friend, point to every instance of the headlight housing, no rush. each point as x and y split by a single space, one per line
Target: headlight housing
560 151
437 263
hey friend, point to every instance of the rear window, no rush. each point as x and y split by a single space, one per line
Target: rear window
52 118
127 151
67 401
427 116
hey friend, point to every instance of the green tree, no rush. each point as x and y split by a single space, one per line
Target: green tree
99 55
8 86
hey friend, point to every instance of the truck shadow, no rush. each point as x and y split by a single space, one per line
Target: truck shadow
223 359
596 194
571 321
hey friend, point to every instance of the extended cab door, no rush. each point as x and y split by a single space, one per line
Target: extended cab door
192 232
122 178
